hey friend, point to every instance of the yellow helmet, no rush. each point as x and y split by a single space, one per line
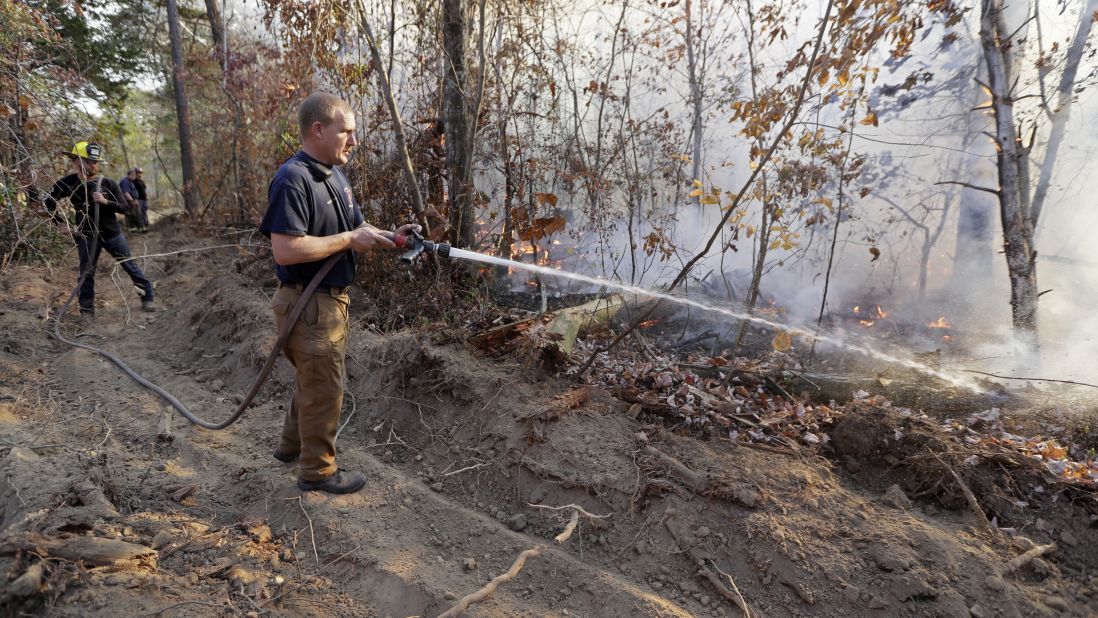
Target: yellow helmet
86 151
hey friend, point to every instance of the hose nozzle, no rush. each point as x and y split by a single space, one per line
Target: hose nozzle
414 244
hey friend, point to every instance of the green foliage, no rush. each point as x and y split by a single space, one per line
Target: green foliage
108 42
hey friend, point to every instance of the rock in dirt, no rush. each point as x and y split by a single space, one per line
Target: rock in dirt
851 594
896 498
436 487
978 611
888 560
877 603
26 584
93 498
517 522
951 604
161 539
1069 538
470 564
1057 603
537 495
909 588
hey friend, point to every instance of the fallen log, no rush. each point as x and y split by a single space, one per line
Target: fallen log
571 322
496 340
910 390
90 550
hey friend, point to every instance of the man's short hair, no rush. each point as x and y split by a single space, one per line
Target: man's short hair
319 107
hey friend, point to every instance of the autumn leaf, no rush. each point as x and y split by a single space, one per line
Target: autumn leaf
782 341
541 228
546 198
709 199
697 183
876 253
870 119
695 193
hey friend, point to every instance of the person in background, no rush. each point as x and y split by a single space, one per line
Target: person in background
129 193
142 200
97 200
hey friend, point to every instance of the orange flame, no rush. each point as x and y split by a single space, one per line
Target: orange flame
941 322
881 313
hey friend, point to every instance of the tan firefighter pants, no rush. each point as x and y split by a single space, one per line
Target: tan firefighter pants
317 348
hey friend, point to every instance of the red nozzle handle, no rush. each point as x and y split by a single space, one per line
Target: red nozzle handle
400 240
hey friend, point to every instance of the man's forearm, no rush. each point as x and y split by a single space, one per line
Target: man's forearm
290 250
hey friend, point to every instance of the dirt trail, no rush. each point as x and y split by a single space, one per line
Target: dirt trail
443 437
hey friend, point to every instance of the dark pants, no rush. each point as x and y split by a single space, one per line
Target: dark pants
316 348
133 217
117 247
143 215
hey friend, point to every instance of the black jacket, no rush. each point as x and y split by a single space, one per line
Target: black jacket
80 196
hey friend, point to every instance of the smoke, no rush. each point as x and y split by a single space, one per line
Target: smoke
905 224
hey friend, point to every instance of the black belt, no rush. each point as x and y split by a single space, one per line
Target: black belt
331 290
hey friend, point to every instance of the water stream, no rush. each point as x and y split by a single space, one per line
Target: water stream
957 381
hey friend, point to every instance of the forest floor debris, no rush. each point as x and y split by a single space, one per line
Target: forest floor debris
726 497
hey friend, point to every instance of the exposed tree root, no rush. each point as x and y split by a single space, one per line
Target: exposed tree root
480 595
706 567
1021 560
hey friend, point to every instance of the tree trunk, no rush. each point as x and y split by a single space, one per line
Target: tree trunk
456 120
696 99
398 125
1061 109
221 44
190 200
217 32
1012 162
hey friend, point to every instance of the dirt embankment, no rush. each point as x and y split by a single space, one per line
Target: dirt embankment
112 506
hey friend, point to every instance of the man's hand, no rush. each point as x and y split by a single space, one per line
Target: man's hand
409 227
365 239
97 196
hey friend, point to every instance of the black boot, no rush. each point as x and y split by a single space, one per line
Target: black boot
342 482
284 457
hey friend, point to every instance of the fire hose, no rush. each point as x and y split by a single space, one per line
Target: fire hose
413 244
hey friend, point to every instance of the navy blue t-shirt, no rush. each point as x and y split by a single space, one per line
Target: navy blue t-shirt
308 198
